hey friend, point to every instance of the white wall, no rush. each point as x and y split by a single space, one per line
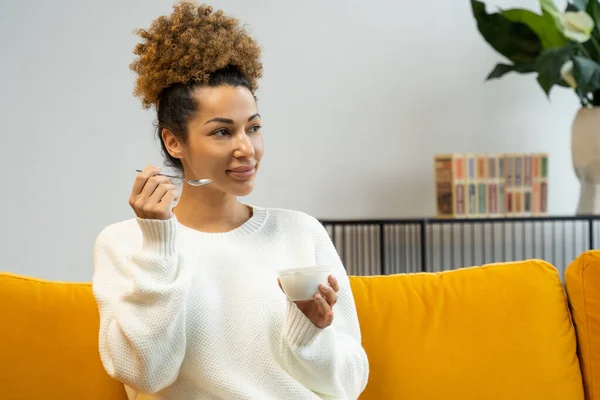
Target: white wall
357 97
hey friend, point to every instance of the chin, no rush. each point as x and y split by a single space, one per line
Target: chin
239 186
240 189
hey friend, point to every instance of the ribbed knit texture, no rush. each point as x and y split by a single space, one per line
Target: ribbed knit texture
191 315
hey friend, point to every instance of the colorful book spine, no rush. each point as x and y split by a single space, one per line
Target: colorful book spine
536 186
527 184
501 185
543 183
444 186
482 185
539 185
492 185
509 167
460 191
518 185
472 199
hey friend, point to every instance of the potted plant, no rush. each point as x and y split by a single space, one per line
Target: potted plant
562 48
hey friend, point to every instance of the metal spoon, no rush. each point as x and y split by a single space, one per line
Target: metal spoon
192 182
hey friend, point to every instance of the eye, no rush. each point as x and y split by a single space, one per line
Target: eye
220 132
255 128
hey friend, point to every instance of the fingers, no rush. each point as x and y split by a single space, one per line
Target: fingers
328 294
152 195
141 179
169 197
324 309
152 184
333 282
160 192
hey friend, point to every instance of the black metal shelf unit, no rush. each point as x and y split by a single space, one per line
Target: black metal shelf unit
388 246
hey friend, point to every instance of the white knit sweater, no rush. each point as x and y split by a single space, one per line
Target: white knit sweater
191 315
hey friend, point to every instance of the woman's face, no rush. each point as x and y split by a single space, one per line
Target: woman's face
224 142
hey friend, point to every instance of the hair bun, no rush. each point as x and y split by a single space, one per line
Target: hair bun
188 45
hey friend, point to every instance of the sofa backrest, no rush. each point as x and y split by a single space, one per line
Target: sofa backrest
49 342
501 331
496 332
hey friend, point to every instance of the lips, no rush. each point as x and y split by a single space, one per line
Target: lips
243 168
243 172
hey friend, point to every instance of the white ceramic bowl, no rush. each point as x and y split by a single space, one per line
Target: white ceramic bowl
302 283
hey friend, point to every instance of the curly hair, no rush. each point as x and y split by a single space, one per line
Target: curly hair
187 46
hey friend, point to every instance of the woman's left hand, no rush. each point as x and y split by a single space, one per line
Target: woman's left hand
319 310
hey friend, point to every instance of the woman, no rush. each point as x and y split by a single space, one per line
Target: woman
190 305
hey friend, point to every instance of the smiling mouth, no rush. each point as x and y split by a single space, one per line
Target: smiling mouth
242 172
242 168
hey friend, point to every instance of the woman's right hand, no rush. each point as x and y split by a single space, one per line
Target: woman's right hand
152 196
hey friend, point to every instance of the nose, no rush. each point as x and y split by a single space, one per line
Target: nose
243 146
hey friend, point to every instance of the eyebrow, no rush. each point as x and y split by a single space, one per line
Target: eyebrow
229 121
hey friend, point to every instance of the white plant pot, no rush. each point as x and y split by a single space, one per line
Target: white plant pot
585 151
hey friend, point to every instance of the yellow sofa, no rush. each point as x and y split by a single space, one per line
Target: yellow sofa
501 331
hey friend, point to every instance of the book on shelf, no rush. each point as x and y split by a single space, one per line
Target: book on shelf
518 185
471 185
495 187
527 184
539 197
482 186
450 185
491 185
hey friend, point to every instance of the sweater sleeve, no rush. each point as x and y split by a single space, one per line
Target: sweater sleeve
332 361
140 294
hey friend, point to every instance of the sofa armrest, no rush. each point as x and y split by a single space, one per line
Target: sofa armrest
582 279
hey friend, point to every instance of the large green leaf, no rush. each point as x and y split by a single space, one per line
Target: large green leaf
587 74
514 40
548 66
502 69
543 25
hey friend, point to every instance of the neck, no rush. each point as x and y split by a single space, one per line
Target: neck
207 210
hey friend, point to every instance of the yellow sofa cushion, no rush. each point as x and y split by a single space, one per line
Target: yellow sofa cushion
49 342
496 332
582 278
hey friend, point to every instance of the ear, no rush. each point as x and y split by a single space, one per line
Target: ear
171 143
